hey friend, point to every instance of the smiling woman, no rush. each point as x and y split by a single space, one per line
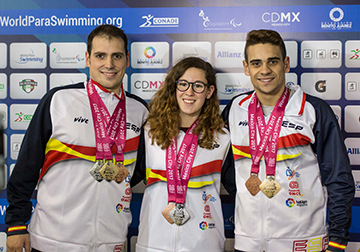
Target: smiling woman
188 149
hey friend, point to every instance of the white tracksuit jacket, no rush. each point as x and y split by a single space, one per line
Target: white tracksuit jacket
205 229
74 212
313 170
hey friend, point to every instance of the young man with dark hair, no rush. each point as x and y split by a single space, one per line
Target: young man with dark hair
80 149
290 160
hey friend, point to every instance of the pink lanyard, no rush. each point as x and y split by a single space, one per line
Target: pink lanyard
269 134
108 130
176 183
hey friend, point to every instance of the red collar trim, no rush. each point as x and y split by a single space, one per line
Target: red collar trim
107 91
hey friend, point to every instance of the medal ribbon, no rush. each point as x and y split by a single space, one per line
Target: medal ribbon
269 134
180 163
108 130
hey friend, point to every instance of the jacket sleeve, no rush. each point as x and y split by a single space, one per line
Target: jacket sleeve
228 174
25 175
140 167
335 172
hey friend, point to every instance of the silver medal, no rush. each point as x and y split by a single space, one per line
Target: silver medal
94 171
179 214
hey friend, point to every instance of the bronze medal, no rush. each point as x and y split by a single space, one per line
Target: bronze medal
252 184
94 171
166 212
109 171
270 187
122 173
179 214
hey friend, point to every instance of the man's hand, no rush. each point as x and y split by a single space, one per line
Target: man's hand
15 243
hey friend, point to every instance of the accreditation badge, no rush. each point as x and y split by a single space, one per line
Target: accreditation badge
179 214
95 171
270 187
109 170
252 184
122 173
166 212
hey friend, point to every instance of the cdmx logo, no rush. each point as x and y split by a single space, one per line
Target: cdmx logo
320 86
149 52
203 225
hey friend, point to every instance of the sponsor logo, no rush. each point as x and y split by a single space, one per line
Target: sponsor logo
207 214
320 86
290 202
68 59
357 185
149 53
291 173
28 85
29 57
218 25
118 248
294 189
152 21
203 225
234 88
128 191
301 203
352 86
243 123
227 54
315 244
355 56
208 197
281 19
127 179
132 127
290 125
353 150
336 15
148 86
21 117
81 120
119 207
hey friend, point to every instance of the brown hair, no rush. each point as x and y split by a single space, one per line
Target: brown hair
108 31
262 37
164 116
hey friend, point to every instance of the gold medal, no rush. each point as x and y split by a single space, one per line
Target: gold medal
109 171
166 212
252 184
122 173
270 187
94 171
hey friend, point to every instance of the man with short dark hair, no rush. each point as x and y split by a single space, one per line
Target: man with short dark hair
80 149
290 160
